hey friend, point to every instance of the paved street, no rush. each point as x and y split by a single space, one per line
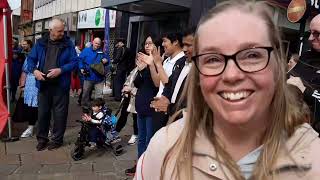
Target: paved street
20 161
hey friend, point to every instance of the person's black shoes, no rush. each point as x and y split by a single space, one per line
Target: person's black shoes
41 146
131 171
53 146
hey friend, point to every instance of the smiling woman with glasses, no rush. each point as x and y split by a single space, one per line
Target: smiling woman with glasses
241 120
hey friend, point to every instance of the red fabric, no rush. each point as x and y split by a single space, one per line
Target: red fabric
4 4
75 82
3 107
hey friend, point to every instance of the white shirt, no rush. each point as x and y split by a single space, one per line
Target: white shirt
248 162
168 65
183 74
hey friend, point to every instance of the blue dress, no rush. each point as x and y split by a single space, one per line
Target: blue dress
30 89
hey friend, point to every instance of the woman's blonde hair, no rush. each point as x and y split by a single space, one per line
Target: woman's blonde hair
200 116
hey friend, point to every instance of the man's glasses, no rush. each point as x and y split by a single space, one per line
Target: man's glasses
315 34
247 60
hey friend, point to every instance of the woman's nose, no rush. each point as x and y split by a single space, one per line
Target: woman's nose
232 73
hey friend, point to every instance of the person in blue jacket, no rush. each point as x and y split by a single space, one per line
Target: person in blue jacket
52 60
92 79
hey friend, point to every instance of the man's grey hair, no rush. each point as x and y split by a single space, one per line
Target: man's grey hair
56 21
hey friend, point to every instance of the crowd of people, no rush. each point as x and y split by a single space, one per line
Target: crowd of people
231 106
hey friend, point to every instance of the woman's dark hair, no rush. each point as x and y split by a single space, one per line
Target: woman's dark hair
156 41
174 36
98 102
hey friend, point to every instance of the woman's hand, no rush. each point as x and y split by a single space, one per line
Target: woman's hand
126 89
22 80
148 59
156 56
141 65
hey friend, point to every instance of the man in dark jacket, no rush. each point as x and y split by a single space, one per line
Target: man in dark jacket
51 61
307 73
124 61
92 79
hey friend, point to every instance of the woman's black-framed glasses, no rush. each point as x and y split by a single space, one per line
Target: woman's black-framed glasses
247 60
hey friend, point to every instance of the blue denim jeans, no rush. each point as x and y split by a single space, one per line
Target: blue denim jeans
145 132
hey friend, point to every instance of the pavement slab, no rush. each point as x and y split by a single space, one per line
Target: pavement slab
121 166
83 168
30 168
8 169
130 153
10 159
23 177
2 149
107 166
55 169
58 156
23 146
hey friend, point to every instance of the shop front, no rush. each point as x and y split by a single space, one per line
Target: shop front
149 17
38 29
91 23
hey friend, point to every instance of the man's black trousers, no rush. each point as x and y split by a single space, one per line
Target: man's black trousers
53 99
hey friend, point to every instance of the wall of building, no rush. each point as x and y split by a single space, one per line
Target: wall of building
48 8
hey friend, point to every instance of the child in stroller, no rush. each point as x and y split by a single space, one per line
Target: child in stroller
97 130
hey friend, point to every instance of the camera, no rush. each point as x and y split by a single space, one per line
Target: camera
86 72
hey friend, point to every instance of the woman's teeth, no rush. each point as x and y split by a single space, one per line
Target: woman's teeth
235 96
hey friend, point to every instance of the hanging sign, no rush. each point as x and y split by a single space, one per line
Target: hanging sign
95 18
296 10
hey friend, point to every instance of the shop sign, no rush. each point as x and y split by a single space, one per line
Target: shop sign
95 18
296 10
38 26
70 20
46 24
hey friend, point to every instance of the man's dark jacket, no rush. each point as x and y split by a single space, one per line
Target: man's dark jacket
67 59
308 69
170 86
124 59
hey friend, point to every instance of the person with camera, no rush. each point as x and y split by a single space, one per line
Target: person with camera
91 58
51 61
306 74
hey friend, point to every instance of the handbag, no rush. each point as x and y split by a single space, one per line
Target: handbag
19 111
98 68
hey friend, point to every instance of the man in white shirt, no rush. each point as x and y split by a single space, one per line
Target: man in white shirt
168 101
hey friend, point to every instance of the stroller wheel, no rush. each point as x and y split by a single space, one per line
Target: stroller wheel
77 153
117 150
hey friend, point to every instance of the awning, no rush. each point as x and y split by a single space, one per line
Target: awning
147 7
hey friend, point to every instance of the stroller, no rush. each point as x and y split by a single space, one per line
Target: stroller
104 139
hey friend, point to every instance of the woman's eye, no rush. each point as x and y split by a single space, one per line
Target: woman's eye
252 55
211 60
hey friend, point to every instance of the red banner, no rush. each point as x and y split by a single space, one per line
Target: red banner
3 106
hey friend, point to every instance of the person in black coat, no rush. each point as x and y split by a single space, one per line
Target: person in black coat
306 74
124 62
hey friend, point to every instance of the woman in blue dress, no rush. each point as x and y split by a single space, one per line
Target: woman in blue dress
28 80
